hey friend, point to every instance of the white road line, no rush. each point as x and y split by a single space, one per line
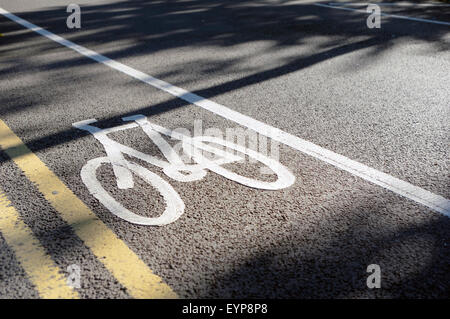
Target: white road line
417 194
384 14
393 4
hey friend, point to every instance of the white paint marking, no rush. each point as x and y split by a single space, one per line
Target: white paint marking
391 4
417 194
384 14
172 168
174 204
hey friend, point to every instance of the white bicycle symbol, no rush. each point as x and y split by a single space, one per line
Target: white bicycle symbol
174 167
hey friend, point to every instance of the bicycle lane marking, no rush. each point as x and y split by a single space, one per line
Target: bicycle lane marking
433 201
172 167
40 268
115 255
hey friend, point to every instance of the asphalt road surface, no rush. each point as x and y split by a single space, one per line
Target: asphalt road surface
357 173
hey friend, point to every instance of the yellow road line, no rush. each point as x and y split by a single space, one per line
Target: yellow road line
123 263
38 265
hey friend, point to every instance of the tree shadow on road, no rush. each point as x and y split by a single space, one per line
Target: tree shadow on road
330 259
145 28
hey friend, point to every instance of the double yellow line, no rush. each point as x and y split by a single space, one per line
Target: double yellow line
115 255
